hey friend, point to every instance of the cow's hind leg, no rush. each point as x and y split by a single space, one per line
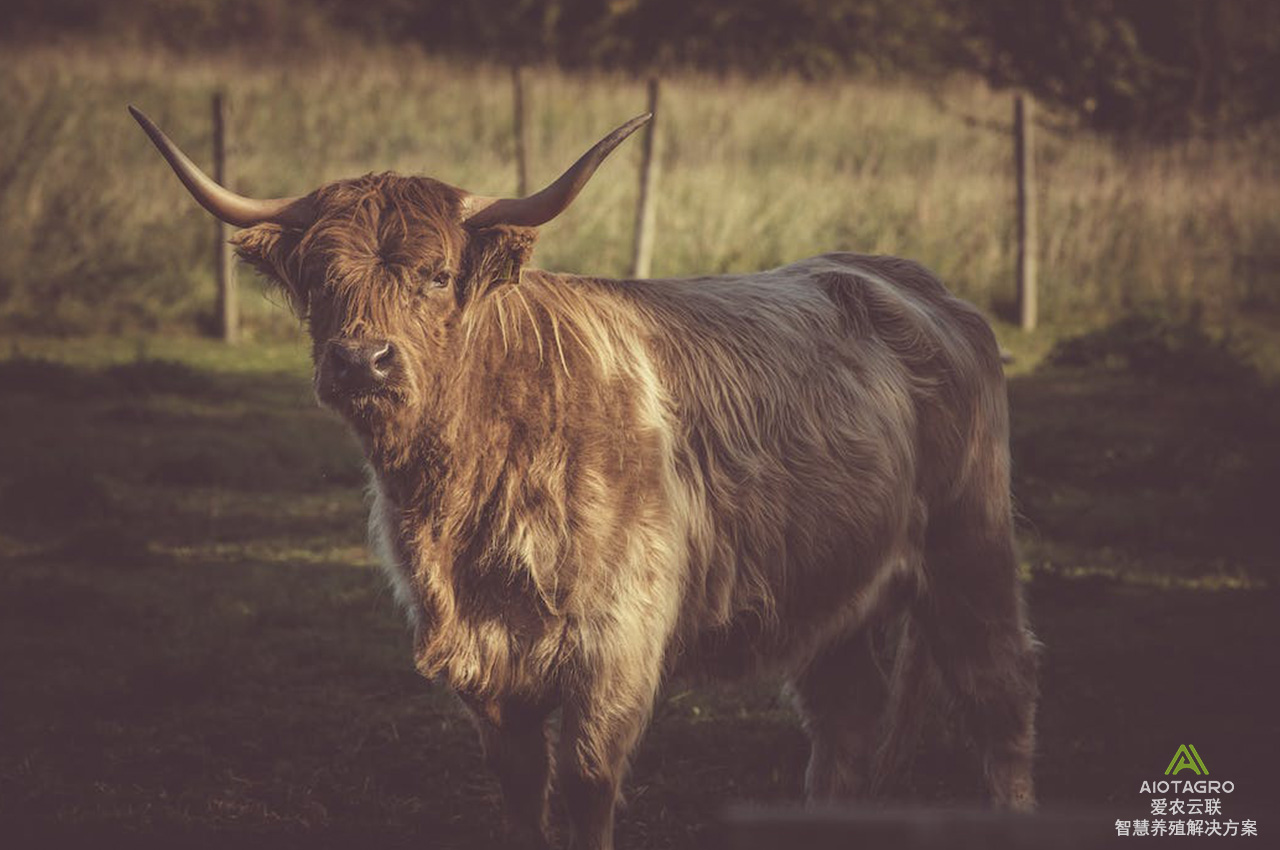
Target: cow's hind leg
972 616
840 696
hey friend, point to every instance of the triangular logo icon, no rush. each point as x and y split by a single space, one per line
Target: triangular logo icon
1186 758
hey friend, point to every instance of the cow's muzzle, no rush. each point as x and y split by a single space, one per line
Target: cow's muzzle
356 367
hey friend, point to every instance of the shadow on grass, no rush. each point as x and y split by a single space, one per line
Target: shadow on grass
211 702
156 693
124 447
208 700
1153 446
51 379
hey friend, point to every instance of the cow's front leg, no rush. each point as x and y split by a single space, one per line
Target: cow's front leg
513 735
603 718
596 743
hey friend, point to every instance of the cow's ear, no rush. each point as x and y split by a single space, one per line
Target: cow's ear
271 249
494 257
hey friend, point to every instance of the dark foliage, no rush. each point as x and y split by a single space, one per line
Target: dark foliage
1152 68
1140 67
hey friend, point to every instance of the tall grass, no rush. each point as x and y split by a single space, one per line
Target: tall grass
97 235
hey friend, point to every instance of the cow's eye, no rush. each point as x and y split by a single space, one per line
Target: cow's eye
433 278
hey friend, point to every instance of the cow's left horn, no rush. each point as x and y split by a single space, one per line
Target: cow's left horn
539 208
227 205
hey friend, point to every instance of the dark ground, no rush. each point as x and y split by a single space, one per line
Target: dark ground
197 652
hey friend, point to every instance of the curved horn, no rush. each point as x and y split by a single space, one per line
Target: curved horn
539 208
234 209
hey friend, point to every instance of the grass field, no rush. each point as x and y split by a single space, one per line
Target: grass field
99 237
197 650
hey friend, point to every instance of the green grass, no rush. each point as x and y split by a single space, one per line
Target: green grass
100 237
197 650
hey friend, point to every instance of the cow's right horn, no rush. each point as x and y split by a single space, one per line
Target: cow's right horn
234 209
539 208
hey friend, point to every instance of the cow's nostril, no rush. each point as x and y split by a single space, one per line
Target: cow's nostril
383 358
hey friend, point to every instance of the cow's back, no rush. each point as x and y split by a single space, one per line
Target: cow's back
820 410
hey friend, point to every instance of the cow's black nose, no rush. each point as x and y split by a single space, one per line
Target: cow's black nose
358 363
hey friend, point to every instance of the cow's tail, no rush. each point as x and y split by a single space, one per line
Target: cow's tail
914 697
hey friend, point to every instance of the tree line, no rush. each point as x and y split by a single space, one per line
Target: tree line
1149 68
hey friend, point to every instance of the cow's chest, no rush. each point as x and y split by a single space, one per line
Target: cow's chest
479 626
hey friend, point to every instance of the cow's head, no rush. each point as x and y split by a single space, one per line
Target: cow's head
381 268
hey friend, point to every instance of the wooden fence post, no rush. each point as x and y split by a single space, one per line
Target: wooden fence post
521 131
1024 157
641 260
228 311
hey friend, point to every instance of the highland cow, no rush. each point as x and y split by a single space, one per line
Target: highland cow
583 486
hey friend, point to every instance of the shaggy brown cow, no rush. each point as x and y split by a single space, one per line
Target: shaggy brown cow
582 486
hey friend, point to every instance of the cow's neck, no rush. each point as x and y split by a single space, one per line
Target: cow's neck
409 465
